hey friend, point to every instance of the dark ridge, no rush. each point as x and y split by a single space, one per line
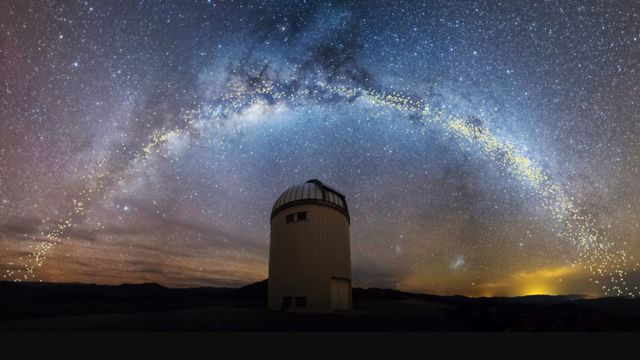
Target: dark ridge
256 292
152 307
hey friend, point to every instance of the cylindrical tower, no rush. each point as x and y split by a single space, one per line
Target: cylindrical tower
310 253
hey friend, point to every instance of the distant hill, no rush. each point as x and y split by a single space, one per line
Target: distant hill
152 307
26 300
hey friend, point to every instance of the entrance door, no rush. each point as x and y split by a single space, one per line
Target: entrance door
340 293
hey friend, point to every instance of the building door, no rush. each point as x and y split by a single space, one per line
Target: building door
340 293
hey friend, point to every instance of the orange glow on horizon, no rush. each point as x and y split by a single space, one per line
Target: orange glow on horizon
542 281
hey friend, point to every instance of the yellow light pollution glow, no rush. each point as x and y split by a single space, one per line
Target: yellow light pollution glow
541 282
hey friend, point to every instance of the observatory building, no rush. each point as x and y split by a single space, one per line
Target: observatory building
309 253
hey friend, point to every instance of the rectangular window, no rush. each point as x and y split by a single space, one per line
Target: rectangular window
301 301
295 217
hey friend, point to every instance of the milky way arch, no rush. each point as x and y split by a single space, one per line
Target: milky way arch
605 263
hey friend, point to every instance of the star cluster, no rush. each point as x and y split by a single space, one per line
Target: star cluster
485 148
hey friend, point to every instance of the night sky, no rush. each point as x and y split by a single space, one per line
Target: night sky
484 148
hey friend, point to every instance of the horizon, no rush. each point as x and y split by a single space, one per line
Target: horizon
581 296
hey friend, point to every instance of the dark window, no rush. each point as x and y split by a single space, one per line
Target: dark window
287 301
301 301
295 217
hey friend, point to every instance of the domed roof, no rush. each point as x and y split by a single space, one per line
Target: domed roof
311 192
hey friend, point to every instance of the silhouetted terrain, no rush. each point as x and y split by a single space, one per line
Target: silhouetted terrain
151 307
